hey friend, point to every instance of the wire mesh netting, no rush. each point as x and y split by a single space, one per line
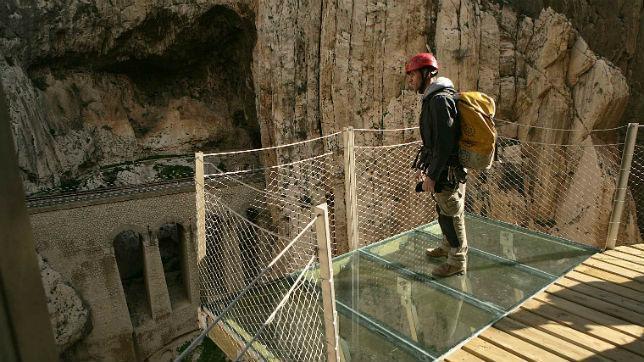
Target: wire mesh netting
387 203
561 190
632 225
564 190
289 179
261 243
258 264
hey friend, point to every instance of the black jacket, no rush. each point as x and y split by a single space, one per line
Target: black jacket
439 130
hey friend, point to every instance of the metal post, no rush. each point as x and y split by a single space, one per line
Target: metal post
622 185
326 278
350 193
351 202
200 203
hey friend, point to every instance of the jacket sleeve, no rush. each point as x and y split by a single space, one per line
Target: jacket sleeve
442 112
426 127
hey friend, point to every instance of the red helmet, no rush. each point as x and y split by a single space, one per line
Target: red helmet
420 61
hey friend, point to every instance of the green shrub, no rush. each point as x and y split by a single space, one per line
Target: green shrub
170 172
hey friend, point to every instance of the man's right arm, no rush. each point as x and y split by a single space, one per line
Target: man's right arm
442 114
424 157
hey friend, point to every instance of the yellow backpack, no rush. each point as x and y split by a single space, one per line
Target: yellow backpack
478 135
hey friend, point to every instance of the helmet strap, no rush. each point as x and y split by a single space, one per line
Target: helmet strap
426 75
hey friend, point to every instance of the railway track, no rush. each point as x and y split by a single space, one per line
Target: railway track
109 193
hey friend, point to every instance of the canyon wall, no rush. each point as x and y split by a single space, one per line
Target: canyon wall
93 85
96 84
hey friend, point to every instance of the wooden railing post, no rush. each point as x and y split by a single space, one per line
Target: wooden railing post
326 279
200 203
622 186
350 191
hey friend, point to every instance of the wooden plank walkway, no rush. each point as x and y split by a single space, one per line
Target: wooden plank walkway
593 313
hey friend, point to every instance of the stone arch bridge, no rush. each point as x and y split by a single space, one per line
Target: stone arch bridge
128 255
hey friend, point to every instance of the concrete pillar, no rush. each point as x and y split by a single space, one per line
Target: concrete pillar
189 264
25 329
155 283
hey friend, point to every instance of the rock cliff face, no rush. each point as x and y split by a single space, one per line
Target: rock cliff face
539 63
361 47
534 60
543 74
92 84
69 316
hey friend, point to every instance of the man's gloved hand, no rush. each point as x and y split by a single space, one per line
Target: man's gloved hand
428 184
424 183
419 187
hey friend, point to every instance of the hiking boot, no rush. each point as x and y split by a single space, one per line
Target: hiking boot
436 252
445 270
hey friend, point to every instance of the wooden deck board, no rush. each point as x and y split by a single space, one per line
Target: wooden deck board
607 286
462 356
602 295
635 345
631 250
638 246
620 262
573 336
594 313
489 352
626 256
610 277
615 269
597 304
524 349
545 340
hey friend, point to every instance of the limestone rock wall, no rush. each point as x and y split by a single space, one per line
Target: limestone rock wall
544 77
69 315
83 281
93 84
96 83
323 66
539 68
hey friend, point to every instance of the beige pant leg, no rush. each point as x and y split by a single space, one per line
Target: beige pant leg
451 207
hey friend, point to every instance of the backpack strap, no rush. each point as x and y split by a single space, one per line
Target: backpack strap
444 91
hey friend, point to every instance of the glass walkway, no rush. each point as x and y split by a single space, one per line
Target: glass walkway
390 307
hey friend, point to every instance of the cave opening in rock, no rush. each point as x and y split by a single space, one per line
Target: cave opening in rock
173 258
128 251
172 84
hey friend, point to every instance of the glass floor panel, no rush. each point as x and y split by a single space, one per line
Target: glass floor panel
364 344
426 318
390 308
543 252
501 285
387 288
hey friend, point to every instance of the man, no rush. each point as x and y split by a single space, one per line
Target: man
437 161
